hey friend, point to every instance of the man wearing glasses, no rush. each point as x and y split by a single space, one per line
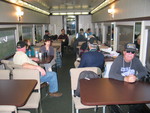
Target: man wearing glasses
128 68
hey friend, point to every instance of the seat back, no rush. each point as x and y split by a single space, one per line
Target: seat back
75 72
8 109
7 64
4 74
27 74
10 65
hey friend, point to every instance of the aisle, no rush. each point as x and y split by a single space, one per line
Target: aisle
61 104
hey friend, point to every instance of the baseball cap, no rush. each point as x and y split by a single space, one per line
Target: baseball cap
21 44
130 47
92 41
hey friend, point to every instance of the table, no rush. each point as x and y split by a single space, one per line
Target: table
45 60
108 59
16 92
105 91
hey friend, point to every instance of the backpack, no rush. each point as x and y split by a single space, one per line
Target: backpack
84 75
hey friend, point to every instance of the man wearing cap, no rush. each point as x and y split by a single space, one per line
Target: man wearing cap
128 68
46 36
21 58
92 58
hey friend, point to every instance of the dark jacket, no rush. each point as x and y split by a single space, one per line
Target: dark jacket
84 75
92 59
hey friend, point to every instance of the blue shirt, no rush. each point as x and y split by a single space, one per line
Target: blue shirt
30 50
92 59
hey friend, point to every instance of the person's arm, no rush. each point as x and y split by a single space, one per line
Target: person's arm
51 51
115 72
83 61
34 59
31 66
141 69
59 37
130 78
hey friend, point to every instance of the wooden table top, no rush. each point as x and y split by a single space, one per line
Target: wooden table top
105 91
108 59
16 92
45 60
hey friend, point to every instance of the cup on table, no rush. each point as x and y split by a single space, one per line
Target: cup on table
36 54
40 55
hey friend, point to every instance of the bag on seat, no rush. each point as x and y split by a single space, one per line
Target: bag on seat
84 75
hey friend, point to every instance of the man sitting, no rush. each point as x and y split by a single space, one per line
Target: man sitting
92 58
21 58
128 68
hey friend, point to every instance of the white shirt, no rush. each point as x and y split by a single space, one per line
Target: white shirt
20 58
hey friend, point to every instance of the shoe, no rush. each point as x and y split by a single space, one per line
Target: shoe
44 84
56 94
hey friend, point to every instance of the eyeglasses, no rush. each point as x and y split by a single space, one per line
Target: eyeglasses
130 52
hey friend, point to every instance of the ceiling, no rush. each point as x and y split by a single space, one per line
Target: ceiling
65 5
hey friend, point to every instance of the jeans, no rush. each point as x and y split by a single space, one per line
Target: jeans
51 78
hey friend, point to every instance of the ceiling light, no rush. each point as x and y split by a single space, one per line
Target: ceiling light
69 7
84 6
77 13
55 13
102 5
19 13
27 5
63 13
70 13
85 13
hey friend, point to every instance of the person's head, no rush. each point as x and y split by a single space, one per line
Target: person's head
129 52
63 31
47 32
139 39
81 31
21 46
88 30
28 42
47 42
92 43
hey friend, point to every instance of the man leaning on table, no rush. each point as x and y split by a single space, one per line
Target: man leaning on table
21 58
128 68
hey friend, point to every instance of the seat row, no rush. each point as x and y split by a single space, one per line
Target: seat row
26 74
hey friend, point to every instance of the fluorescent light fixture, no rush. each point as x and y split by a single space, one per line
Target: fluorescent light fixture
77 13
63 13
27 5
55 13
70 13
85 13
102 5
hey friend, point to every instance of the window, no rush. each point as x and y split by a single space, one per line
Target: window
71 25
125 35
148 52
38 33
27 33
7 43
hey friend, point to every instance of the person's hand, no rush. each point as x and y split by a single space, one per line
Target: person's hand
35 59
43 73
130 78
